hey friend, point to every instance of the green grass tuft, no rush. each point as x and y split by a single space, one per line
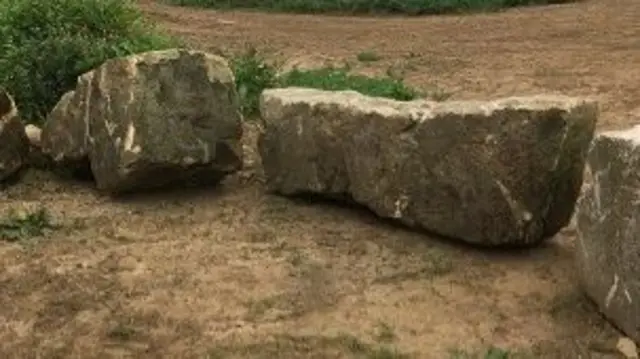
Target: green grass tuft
21 226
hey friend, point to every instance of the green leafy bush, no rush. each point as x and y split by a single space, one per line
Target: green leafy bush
409 7
46 44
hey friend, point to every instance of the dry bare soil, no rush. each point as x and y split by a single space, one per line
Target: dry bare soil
234 272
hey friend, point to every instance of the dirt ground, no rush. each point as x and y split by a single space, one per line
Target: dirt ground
236 273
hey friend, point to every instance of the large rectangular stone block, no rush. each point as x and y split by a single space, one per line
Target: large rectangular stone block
608 219
504 172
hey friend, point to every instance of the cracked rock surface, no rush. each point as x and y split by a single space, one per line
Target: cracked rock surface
505 172
150 120
608 246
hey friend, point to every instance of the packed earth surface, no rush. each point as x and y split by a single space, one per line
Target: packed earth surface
235 272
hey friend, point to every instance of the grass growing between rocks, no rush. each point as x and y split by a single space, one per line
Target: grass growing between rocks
406 7
47 44
254 74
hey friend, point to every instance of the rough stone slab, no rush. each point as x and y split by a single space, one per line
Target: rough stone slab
150 120
608 227
505 172
14 145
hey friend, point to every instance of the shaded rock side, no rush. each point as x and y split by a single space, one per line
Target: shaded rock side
608 227
150 120
14 145
504 172
65 133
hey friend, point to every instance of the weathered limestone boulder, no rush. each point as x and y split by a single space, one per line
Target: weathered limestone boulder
505 172
14 146
608 227
150 120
